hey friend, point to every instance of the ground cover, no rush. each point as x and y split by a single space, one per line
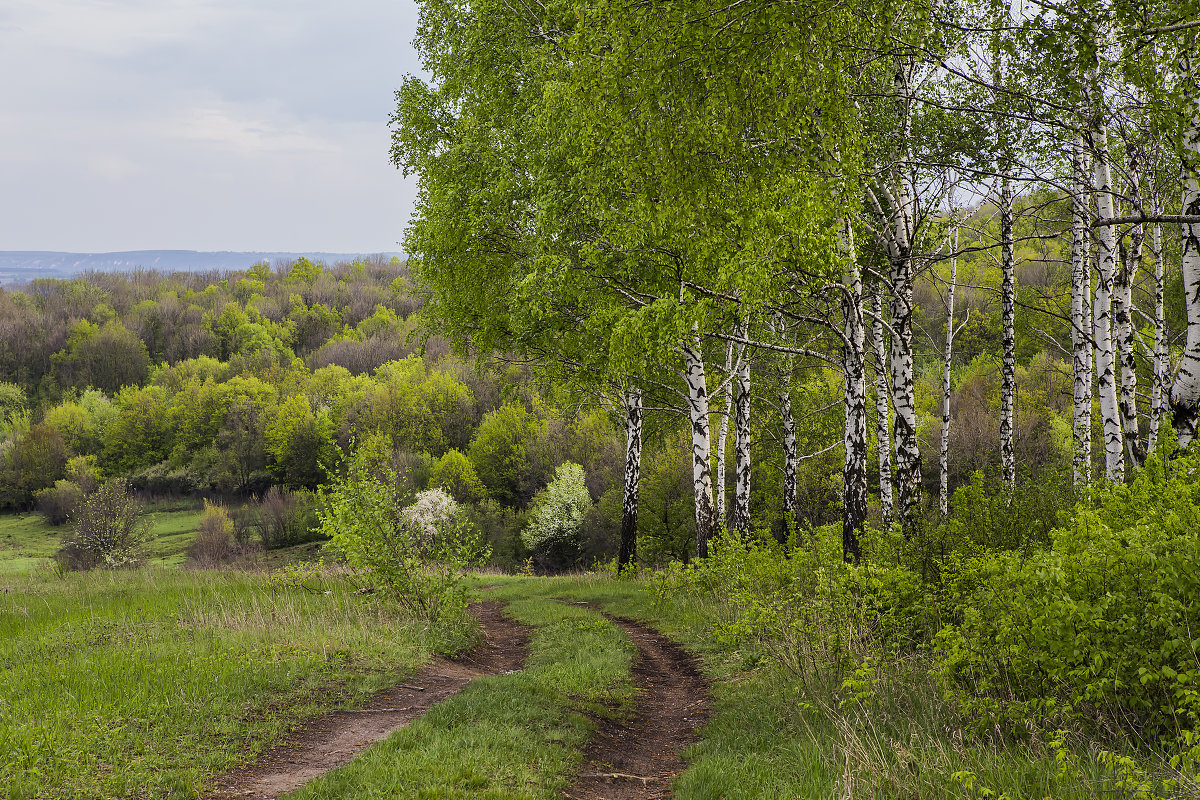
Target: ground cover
143 683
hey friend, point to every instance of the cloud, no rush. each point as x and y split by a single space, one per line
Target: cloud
207 124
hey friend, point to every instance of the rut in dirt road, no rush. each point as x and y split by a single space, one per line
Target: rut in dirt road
637 758
336 738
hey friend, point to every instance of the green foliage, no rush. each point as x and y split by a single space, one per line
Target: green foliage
415 556
498 450
1099 626
109 529
455 473
300 443
552 535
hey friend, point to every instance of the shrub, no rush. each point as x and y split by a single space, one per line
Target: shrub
286 518
1100 626
552 535
57 502
215 543
109 530
414 552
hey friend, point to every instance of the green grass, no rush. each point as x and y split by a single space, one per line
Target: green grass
769 738
145 683
28 542
504 737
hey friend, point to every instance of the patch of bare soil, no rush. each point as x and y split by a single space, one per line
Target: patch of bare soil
635 759
336 738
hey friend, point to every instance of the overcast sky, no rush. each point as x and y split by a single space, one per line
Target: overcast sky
202 124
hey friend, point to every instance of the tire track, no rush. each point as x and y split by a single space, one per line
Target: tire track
636 759
334 739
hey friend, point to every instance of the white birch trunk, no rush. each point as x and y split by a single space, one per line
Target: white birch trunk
790 459
633 470
882 436
1123 324
1185 391
854 365
1158 379
1008 360
908 452
741 488
1106 267
722 436
944 457
1081 324
697 387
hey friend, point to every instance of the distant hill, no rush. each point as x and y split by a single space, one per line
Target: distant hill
20 266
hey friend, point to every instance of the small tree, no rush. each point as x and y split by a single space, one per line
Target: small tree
416 552
110 530
556 519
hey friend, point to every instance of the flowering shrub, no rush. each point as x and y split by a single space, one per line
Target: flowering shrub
430 513
552 535
416 552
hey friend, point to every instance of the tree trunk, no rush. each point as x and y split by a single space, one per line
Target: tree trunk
908 451
633 469
1185 391
854 364
1123 324
1008 360
722 435
1158 380
790 459
741 490
706 522
1081 321
1106 267
883 439
944 457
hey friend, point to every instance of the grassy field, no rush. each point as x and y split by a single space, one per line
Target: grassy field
28 542
136 684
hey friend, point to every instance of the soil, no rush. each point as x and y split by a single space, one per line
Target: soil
636 758
336 738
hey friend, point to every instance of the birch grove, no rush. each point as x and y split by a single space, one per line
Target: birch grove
646 229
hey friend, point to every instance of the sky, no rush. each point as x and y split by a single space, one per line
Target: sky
202 124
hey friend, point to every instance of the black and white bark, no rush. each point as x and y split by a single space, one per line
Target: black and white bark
882 435
697 399
944 456
1081 325
1123 333
723 434
1106 268
741 486
791 461
1158 377
1185 391
854 367
633 470
1008 336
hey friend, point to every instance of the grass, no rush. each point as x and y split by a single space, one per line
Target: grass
28 542
770 737
144 683
505 737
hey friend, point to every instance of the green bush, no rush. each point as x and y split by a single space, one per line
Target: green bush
416 552
1103 626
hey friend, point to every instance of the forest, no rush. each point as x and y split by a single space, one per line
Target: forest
854 345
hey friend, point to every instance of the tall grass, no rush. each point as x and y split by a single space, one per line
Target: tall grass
146 683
